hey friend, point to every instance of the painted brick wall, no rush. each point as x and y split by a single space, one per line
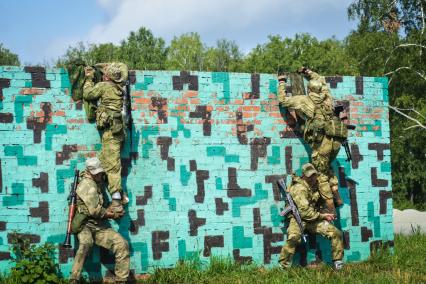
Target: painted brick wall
207 150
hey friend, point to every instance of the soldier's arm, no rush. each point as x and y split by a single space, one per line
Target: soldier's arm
90 197
306 210
91 92
311 75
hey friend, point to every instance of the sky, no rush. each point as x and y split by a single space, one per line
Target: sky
40 31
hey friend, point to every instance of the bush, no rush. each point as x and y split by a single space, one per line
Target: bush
34 264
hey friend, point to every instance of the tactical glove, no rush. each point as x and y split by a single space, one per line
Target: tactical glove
116 206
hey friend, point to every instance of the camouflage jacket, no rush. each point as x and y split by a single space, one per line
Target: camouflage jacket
307 107
306 200
90 202
109 93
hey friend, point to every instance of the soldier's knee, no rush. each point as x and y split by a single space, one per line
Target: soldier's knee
294 239
121 246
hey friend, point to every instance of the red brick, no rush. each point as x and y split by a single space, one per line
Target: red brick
142 101
190 94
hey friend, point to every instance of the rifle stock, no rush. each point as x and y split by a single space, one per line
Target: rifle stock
72 204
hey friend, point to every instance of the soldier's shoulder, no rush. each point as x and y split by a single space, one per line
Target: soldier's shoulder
105 85
298 188
86 187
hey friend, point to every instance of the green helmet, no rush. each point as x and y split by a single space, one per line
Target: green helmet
117 72
315 86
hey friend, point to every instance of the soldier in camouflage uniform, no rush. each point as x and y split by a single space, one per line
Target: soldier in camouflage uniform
109 94
317 110
91 225
307 199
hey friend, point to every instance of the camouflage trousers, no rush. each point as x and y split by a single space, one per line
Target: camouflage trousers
109 239
323 154
110 159
323 227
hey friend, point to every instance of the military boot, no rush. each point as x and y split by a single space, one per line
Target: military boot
285 261
124 198
337 265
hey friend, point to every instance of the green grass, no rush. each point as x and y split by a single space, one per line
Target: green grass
406 265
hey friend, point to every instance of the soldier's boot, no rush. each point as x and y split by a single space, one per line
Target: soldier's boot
117 204
124 198
337 265
285 260
336 196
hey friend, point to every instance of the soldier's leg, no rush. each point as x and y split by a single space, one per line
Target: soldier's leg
334 184
85 240
328 230
113 241
321 164
110 159
293 240
321 159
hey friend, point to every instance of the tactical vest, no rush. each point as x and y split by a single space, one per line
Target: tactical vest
324 122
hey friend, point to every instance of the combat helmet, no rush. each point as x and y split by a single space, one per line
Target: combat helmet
117 72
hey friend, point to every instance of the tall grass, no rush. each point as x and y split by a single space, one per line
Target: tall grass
406 265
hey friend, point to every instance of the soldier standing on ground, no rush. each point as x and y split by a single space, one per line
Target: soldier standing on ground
319 131
91 225
306 197
109 95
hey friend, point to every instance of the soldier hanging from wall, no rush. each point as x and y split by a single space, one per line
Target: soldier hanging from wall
323 131
109 95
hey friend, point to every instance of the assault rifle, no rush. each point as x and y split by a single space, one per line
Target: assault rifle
337 110
72 204
291 207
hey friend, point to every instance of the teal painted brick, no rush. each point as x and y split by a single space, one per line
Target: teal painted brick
173 183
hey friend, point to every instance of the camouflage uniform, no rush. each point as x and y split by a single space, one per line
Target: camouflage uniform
315 109
307 201
96 230
109 119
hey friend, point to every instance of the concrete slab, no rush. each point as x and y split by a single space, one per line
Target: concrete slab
407 221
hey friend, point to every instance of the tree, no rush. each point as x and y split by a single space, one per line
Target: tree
380 49
327 57
186 52
226 57
374 15
7 57
141 51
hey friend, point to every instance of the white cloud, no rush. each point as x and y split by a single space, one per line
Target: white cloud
213 19
248 22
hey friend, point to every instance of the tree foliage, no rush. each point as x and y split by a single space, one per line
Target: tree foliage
380 51
7 57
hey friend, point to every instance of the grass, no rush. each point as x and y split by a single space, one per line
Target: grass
406 265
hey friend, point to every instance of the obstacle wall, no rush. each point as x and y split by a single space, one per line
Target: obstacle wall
200 169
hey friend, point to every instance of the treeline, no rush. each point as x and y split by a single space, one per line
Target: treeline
390 40
141 50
